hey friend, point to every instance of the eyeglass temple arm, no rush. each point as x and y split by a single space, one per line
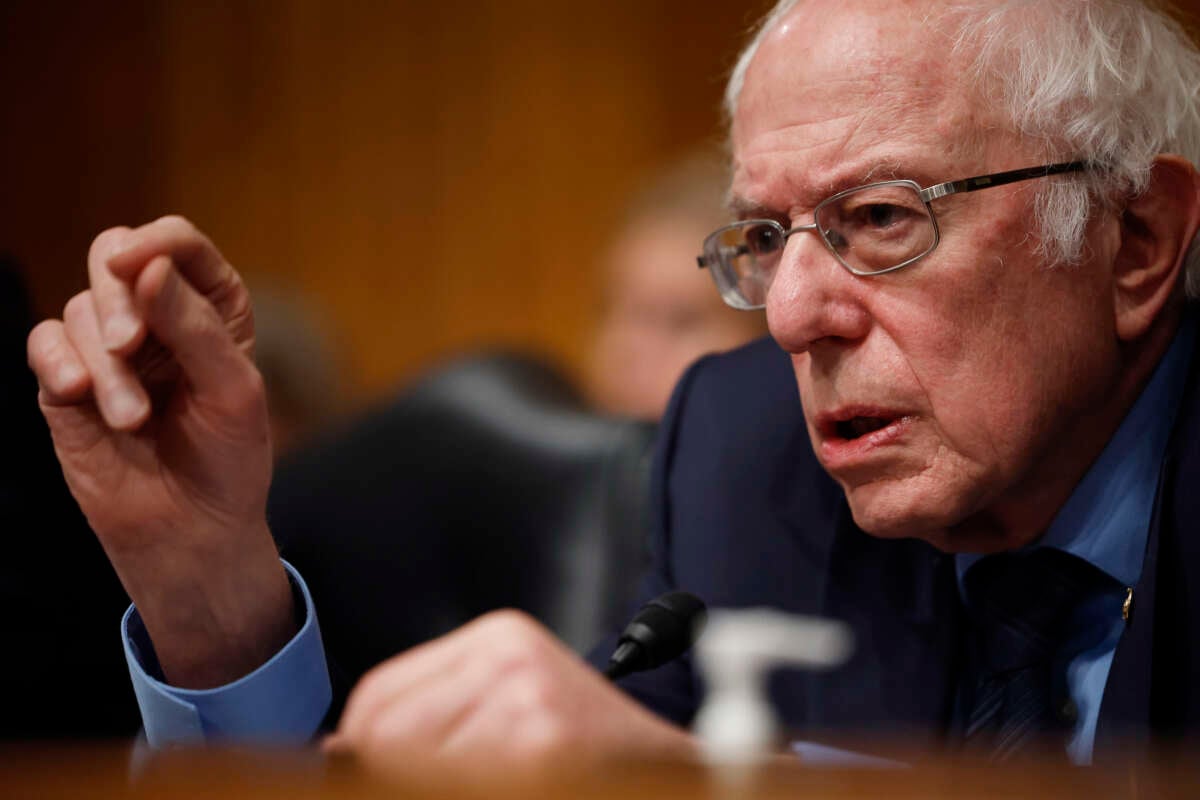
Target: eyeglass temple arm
1001 178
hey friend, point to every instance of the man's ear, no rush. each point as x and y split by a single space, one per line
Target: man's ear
1157 228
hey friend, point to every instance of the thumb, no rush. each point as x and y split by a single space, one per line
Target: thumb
213 353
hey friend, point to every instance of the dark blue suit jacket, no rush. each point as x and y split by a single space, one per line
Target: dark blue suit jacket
745 516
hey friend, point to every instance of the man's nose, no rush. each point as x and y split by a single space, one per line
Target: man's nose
813 298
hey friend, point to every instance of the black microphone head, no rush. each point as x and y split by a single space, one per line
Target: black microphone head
662 630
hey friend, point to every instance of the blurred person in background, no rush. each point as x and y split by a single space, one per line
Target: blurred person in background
304 382
660 312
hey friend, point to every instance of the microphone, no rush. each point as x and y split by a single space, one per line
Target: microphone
662 630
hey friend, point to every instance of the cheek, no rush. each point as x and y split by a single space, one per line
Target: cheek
1000 371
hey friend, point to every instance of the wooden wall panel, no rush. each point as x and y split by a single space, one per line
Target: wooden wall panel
436 176
80 141
441 176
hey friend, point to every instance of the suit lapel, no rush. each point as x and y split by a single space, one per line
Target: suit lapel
1125 709
1150 686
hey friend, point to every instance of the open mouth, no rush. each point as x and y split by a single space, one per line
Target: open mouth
849 438
860 426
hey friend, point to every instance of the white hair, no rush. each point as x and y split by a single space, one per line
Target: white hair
1114 82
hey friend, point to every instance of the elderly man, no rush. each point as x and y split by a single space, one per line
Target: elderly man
970 226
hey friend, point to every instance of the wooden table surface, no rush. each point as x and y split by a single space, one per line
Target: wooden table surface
106 771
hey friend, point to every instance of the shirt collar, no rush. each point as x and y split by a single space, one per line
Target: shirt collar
1106 520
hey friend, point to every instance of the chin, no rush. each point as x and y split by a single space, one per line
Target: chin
894 510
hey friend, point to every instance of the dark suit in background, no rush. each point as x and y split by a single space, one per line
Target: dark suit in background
745 516
488 483
63 670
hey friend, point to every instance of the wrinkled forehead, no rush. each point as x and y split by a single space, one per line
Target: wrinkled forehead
838 80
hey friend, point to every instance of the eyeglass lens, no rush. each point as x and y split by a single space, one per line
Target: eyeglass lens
870 230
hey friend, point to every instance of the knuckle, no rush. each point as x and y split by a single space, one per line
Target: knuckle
42 346
511 656
78 309
106 241
534 692
534 689
237 314
510 637
237 308
371 683
511 623
178 224
366 686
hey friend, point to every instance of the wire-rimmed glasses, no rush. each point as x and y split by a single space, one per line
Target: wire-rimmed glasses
870 230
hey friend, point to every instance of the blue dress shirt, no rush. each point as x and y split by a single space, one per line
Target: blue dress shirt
1106 521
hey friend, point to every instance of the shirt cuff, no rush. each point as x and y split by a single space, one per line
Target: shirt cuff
281 702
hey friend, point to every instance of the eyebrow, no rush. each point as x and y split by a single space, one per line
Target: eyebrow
882 169
743 208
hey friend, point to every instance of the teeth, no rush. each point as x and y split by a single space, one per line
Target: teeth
860 426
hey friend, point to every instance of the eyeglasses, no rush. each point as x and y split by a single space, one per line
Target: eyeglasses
870 230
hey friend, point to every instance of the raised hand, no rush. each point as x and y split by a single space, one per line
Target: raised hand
159 420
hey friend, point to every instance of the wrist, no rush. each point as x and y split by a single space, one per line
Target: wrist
213 624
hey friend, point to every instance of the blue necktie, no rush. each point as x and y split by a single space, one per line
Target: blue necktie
1020 606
